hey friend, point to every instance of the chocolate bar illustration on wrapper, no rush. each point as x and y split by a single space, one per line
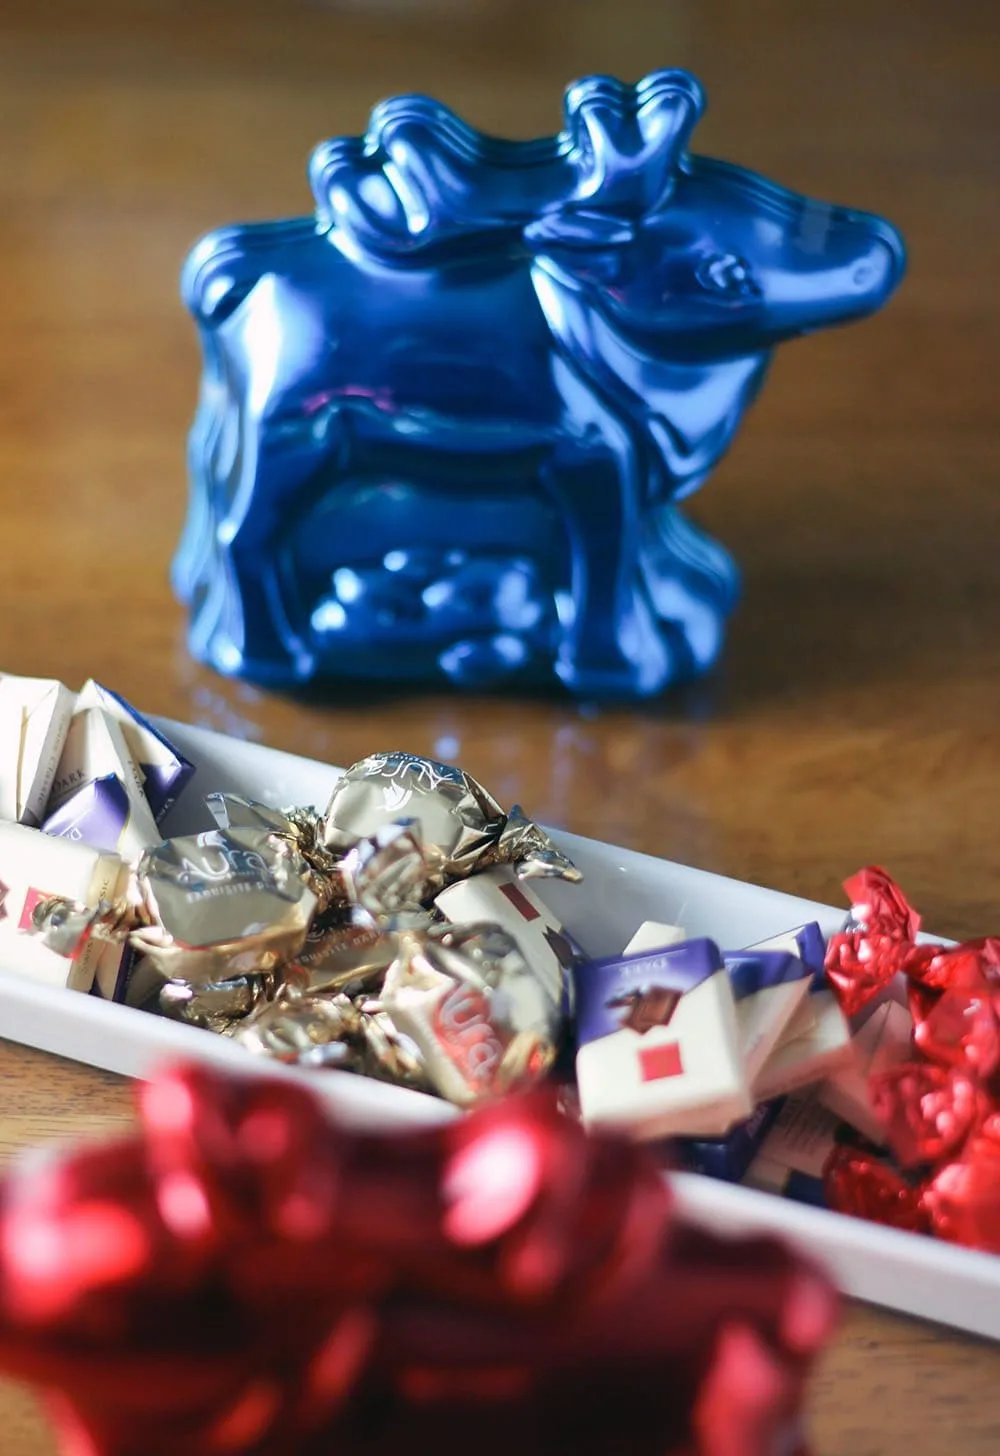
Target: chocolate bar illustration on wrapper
672 1063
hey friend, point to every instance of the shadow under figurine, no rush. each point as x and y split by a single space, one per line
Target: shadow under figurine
445 423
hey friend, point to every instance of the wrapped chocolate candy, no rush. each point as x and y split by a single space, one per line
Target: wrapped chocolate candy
455 813
796 1151
97 797
496 897
729 1157
658 1046
363 897
35 715
883 1042
770 982
816 1044
939 1106
353 954
331 1031
215 1005
222 904
881 929
318 1031
482 1020
298 829
205 907
391 871
34 869
164 769
816 1040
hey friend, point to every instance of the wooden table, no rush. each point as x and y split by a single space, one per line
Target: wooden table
854 718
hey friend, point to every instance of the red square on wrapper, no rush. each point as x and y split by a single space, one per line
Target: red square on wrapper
660 1062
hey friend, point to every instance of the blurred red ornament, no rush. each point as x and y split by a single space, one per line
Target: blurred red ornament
246 1277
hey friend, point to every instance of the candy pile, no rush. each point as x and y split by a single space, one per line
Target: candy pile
939 1106
245 1278
97 779
376 937
397 934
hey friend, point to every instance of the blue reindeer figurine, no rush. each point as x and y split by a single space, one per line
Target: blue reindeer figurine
446 422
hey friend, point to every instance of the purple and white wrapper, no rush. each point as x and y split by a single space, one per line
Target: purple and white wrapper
35 714
768 986
164 769
883 1042
816 1043
658 1047
98 797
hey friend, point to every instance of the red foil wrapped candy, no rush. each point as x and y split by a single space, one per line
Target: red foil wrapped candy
244 1276
964 1196
864 957
927 1111
941 1115
861 1184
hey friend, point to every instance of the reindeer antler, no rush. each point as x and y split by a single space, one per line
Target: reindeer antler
630 137
421 174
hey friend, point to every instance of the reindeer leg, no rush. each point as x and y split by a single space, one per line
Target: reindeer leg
243 626
611 646
239 624
692 581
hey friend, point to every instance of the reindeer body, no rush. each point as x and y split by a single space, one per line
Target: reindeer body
444 425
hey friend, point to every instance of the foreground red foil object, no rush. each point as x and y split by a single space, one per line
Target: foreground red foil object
244 1276
941 1115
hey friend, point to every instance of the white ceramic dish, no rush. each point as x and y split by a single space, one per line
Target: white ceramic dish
917 1275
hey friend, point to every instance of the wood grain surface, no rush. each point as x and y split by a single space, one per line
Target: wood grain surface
855 715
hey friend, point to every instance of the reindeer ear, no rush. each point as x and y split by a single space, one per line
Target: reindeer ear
578 229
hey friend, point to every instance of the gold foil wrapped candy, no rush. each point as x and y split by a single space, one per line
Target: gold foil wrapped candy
203 908
319 1031
216 1005
353 955
304 1028
315 939
221 904
481 1019
455 813
460 1012
394 869
300 830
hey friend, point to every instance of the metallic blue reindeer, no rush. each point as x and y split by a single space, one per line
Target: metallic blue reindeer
445 423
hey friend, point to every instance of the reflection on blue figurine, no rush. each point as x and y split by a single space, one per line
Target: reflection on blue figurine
445 424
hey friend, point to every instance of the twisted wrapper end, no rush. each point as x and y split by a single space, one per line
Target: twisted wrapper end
301 829
66 926
532 852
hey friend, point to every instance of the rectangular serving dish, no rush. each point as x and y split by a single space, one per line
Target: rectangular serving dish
907 1272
